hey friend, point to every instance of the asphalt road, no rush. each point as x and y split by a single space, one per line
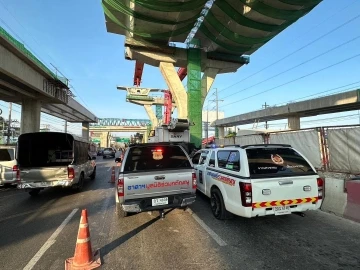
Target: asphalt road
31 235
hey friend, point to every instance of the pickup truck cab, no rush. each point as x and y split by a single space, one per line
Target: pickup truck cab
154 176
257 180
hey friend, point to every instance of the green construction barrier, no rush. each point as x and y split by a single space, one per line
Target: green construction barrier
194 92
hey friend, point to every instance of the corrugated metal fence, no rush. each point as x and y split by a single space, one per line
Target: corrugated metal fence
334 149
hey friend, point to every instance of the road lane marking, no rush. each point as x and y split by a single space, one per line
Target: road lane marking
109 169
213 234
49 242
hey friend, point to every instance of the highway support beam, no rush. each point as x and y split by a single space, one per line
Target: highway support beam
85 131
221 131
30 116
104 139
294 122
151 114
176 88
207 81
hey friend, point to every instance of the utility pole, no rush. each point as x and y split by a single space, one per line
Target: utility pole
217 104
264 107
9 124
65 126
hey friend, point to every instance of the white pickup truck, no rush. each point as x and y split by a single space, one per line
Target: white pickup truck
257 180
154 176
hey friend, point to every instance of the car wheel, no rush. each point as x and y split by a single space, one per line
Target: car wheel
34 192
104 157
93 175
79 186
120 212
217 205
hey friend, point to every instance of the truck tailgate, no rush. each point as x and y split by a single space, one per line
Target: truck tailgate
293 190
43 174
157 183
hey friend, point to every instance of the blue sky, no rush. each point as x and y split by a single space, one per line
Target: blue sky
72 36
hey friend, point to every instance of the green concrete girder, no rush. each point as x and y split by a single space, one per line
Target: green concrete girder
243 26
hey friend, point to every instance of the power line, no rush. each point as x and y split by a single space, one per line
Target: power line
326 91
294 80
2 3
288 55
302 63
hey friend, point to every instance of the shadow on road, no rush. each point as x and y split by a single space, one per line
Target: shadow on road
121 240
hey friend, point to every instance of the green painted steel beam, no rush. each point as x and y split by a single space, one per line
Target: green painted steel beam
194 92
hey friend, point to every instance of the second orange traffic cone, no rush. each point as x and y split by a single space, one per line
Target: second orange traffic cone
84 258
112 179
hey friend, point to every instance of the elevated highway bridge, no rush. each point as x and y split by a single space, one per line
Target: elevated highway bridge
217 37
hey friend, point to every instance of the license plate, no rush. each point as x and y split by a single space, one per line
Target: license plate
282 210
160 201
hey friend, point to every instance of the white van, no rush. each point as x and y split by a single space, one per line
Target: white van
257 180
9 170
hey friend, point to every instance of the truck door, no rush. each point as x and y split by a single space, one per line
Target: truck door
202 170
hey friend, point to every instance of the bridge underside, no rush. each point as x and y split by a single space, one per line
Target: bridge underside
229 27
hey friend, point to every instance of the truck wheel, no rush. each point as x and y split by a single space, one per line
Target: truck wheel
217 205
34 192
79 186
120 212
93 175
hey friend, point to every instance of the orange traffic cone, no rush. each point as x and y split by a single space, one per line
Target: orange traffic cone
112 180
83 259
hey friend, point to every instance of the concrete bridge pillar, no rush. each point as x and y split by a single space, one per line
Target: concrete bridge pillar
85 130
294 122
221 132
207 81
30 116
152 116
176 88
104 139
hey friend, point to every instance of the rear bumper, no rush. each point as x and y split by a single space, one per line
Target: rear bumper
58 183
143 205
7 182
259 212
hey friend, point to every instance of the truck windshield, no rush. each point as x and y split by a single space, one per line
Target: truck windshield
149 158
276 162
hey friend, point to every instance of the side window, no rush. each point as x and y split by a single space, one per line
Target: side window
196 158
212 160
203 157
229 160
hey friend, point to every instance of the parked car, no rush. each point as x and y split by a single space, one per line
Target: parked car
109 152
53 159
257 180
9 170
100 151
154 176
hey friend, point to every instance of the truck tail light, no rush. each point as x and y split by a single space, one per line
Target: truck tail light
120 187
194 185
16 170
71 173
320 184
246 194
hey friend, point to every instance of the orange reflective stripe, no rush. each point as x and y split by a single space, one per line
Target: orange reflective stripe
284 202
